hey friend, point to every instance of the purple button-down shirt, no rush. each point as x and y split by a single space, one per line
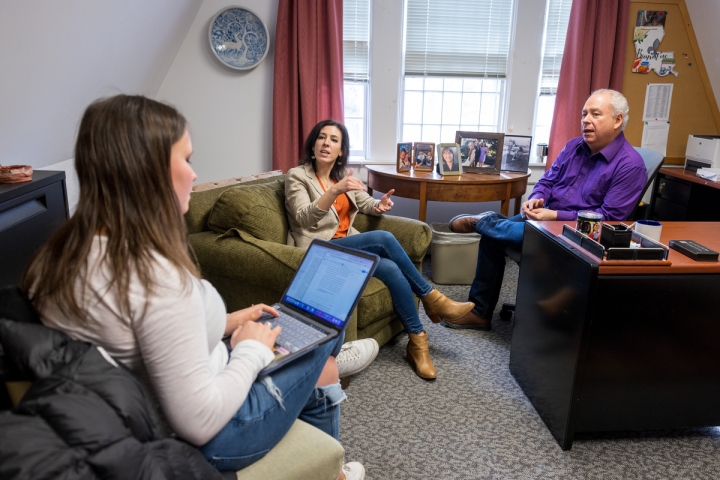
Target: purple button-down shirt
609 182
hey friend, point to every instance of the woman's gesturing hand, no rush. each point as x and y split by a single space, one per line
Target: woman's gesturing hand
385 203
255 331
349 183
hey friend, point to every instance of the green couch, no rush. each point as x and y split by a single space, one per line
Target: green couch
238 234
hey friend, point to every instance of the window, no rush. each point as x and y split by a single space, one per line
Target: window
356 48
456 56
557 17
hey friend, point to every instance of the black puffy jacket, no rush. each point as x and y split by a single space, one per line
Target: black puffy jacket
83 417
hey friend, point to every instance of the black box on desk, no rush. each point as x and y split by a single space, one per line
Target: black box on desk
615 236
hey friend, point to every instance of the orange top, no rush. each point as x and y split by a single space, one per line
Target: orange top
342 207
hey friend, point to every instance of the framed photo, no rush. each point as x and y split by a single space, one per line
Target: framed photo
424 156
480 152
404 156
516 153
449 159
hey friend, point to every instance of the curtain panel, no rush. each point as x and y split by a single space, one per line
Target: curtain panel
308 78
593 58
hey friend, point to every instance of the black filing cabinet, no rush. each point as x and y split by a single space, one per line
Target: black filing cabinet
680 195
30 212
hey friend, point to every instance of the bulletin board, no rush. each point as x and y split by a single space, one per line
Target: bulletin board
693 108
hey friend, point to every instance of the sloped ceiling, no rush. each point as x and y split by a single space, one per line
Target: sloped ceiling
58 56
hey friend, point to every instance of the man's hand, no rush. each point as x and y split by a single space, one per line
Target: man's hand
532 204
385 203
541 214
241 317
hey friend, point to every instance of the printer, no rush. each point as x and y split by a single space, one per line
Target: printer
703 151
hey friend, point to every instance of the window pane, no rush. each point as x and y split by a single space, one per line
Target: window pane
451 108
470 108
453 84
545 108
411 133
413 83
443 112
472 85
413 107
488 109
355 133
354 100
492 85
447 134
431 133
432 107
433 83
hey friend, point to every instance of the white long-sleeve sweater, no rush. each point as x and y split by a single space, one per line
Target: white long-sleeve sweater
175 345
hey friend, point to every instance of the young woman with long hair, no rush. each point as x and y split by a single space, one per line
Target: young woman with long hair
118 274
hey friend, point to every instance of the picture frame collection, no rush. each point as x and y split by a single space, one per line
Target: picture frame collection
472 152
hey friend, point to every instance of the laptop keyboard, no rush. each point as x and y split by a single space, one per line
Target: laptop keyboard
295 334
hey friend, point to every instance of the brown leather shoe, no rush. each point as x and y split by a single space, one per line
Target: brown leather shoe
469 321
438 307
465 223
418 355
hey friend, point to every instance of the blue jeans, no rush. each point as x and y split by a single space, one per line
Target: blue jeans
498 232
396 271
272 406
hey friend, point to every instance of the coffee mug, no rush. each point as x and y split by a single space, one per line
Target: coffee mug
649 228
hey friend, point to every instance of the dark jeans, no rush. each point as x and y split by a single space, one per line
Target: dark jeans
498 232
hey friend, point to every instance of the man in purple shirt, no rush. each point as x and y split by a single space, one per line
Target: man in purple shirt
599 171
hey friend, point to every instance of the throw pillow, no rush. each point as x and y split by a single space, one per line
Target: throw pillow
256 209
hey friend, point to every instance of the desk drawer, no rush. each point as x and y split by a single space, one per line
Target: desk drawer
665 210
674 191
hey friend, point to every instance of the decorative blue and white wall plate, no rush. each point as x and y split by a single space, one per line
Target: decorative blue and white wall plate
238 38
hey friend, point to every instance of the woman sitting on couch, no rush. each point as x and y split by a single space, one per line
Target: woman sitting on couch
322 199
118 274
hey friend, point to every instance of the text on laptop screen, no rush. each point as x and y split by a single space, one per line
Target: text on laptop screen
327 283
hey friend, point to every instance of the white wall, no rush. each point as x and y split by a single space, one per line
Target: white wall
57 57
705 16
229 111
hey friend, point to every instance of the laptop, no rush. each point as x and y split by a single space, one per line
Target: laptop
318 303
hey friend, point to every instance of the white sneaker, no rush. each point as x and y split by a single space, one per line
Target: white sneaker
354 357
354 470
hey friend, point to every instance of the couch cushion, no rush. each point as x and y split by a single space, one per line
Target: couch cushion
256 209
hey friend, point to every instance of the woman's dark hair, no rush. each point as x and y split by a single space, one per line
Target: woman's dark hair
122 159
449 149
308 157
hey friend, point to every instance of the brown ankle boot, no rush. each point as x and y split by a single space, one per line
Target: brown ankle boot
439 307
418 354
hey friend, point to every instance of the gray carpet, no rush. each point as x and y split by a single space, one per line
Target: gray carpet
474 421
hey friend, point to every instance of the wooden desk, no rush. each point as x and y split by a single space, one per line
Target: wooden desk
608 348
680 195
468 187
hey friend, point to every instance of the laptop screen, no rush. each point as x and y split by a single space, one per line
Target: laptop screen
328 282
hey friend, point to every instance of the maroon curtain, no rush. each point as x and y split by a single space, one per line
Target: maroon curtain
308 81
593 58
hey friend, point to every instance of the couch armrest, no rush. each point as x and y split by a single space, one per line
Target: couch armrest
413 235
304 453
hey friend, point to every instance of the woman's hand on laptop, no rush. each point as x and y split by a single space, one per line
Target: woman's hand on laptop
255 331
241 317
